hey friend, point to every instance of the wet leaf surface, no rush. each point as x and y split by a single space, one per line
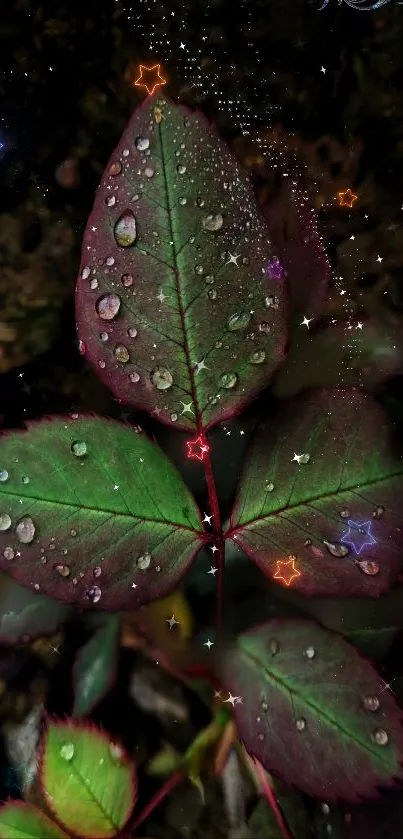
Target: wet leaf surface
310 700
178 305
318 507
93 512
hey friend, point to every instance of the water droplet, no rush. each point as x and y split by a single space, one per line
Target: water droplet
181 169
260 736
63 570
116 168
161 378
371 703
380 736
121 353
25 530
274 647
257 357
368 566
228 380
8 553
269 486
73 531
85 272
213 222
378 512
67 751
182 201
132 332
174 417
325 809
144 561
212 294
5 522
142 143
79 448
238 321
149 172
300 724
264 327
209 279
199 201
115 751
127 280
3 475
336 548
272 302
107 306
199 269
93 283
104 336
81 348
110 201
308 543
264 706
125 230
310 652
97 571
102 364
134 377
304 458
110 260
94 593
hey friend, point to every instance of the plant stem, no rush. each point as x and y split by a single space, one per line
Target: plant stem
159 796
219 555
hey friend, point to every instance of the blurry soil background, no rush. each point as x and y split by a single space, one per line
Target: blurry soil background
66 74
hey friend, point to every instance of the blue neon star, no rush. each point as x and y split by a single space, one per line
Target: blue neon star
358 535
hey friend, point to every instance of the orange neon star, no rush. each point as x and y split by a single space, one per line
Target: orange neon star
156 81
347 198
292 574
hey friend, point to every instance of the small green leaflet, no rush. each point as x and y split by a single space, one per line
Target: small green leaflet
90 784
21 821
309 700
95 667
174 281
325 461
92 512
27 616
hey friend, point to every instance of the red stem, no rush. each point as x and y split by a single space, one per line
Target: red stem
219 556
159 796
271 798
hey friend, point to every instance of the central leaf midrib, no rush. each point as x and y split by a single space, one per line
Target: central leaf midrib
250 658
102 510
82 780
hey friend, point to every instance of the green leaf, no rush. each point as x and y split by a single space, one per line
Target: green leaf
89 784
174 278
309 700
103 518
374 643
319 506
27 616
21 821
94 670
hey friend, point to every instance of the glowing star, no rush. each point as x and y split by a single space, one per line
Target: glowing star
306 321
187 408
286 571
358 535
232 259
156 80
172 622
347 198
197 448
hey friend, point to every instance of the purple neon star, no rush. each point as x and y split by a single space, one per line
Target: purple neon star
358 535
275 269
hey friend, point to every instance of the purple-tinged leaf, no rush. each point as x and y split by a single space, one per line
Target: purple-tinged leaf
293 230
26 616
310 701
21 821
342 355
95 667
319 504
175 304
92 512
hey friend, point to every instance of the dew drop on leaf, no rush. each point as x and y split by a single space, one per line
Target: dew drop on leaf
97 571
125 230
25 530
269 486
126 280
149 172
310 652
63 570
371 703
93 283
142 143
344 514
300 724
94 594
85 273
380 736
115 169
134 377
272 302
369 567
3 475
8 553
213 222
121 353
104 336
107 306
304 458
261 736
238 321
336 548
274 647
264 327
110 201
67 751
115 751
264 706
228 380
5 522
181 169
79 448
378 512
143 562
182 201
132 332
258 357
161 378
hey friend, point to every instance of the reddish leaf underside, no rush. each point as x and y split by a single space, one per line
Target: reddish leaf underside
175 306
93 513
313 711
292 518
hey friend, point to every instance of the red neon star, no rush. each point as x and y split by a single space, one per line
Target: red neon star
347 198
156 80
287 576
197 448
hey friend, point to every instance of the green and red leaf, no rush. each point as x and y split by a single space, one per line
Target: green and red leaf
95 667
330 523
308 700
28 616
89 783
21 821
93 512
175 304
